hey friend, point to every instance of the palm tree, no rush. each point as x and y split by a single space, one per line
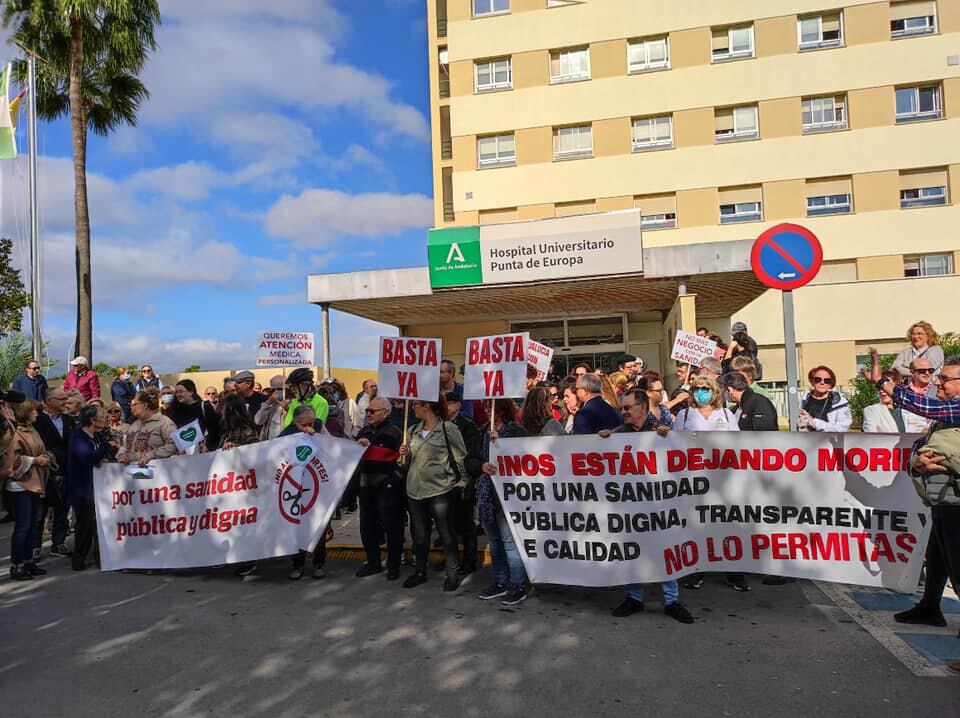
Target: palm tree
89 53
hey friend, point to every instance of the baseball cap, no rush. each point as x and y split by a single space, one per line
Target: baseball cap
79 361
738 327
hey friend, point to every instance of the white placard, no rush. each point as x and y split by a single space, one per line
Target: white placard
495 367
539 356
281 349
244 504
409 368
692 349
186 437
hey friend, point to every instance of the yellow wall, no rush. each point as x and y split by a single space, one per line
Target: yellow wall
866 23
888 267
352 378
775 35
784 200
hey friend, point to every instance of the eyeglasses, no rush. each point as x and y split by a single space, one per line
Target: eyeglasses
146 371
944 379
823 380
33 368
924 371
209 393
372 411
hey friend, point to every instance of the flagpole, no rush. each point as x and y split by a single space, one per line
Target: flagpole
35 263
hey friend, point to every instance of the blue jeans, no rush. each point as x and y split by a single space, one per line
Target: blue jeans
504 555
671 592
27 509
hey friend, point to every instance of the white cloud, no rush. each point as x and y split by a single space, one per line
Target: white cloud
218 59
319 216
188 181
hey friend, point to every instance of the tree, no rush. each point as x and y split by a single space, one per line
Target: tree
15 350
13 298
89 53
192 368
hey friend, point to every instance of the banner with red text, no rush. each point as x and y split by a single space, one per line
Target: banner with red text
256 501
409 368
539 356
638 507
495 367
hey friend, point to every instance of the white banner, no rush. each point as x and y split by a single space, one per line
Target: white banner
409 368
496 366
639 508
692 349
256 501
186 437
539 355
285 349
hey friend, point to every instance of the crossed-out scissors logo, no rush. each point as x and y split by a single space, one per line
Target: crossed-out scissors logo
299 484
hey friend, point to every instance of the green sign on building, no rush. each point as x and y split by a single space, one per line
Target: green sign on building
454 257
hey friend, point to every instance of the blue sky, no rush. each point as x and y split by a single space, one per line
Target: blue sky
282 138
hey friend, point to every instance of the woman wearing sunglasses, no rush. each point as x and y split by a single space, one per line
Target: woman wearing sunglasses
822 408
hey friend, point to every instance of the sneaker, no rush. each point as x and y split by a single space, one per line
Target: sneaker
247 569
922 616
494 590
415 579
296 573
739 584
516 594
694 583
678 612
627 607
36 555
34 570
451 583
954 667
319 572
19 573
368 570
393 574
60 550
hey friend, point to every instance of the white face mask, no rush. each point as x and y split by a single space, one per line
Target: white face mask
167 398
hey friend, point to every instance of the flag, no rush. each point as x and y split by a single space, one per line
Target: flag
8 138
15 107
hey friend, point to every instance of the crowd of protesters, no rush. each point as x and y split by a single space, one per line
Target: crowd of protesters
438 476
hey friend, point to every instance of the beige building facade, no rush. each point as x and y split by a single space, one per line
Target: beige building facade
716 120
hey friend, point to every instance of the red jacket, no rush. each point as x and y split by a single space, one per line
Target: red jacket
88 384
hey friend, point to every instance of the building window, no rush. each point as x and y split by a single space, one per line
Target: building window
653 133
919 103
736 123
667 220
649 54
490 7
828 204
657 211
733 43
917 17
923 197
820 31
496 150
740 212
928 265
572 142
824 114
493 75
570 65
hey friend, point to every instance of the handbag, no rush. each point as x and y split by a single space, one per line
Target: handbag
450 460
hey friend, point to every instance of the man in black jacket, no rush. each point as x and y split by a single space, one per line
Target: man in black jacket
464 522
55 428
757 412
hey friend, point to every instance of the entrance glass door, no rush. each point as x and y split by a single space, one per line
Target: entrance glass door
598 341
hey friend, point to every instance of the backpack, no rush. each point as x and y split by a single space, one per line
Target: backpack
941 489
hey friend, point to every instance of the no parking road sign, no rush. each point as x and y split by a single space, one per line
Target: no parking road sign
786 257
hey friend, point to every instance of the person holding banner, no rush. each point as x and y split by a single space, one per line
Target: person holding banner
637 417
436 452
509 575
87 451
151 434
708 413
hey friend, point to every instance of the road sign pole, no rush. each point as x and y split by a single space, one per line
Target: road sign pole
790 346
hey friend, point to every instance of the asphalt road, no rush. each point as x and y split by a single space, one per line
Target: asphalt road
91 644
